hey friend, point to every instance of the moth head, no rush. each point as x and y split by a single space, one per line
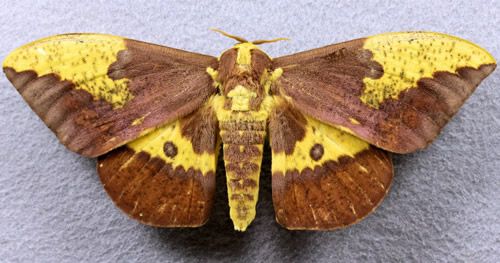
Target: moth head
244 64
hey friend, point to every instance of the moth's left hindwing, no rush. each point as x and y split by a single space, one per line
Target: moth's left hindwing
167 177
394 90
323 178
97 92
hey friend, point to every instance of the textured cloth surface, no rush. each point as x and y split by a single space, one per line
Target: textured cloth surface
443 206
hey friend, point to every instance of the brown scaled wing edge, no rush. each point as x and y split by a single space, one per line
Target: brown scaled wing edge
334 195
150 191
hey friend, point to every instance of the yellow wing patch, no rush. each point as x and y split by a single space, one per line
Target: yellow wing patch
168 144
320 144
354 121
80 58
408 57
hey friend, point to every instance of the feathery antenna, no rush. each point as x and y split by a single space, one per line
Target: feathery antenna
242 40
237 38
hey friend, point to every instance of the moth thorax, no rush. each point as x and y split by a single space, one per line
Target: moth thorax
240 98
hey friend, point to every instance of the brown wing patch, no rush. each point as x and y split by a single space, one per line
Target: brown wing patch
287 127
154 192
87 115
333 195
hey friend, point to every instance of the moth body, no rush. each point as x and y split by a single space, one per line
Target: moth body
242 108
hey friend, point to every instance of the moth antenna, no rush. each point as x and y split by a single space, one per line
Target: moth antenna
237 38
261 41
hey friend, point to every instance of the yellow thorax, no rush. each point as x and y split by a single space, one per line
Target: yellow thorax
241 98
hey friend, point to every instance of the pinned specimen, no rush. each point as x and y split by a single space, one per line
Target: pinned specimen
156 117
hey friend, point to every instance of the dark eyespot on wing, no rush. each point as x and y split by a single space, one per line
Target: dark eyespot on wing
317 152
170 149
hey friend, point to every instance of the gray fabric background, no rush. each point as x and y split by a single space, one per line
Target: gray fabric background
443 206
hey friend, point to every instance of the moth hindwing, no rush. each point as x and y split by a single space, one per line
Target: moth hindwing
323 177
156 116
167 177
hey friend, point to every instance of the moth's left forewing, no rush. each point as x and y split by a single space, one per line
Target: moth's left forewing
396 90
323 178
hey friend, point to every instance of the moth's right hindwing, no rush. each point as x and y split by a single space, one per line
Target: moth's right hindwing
167 177
97 92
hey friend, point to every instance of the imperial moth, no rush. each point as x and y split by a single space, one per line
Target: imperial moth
155 117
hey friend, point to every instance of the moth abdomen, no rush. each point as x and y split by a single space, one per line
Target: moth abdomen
243 146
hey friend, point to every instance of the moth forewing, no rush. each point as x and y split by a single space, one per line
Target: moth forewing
394 90
97 92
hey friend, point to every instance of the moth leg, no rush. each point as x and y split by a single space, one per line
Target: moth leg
214 74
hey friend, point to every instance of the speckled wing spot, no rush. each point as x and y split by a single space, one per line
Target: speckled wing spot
320 142
407 58
82 60
170 149
171 144
319 185
317 152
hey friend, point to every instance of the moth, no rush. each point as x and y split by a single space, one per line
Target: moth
155 117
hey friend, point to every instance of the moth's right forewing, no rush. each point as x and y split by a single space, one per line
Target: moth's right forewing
97 92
